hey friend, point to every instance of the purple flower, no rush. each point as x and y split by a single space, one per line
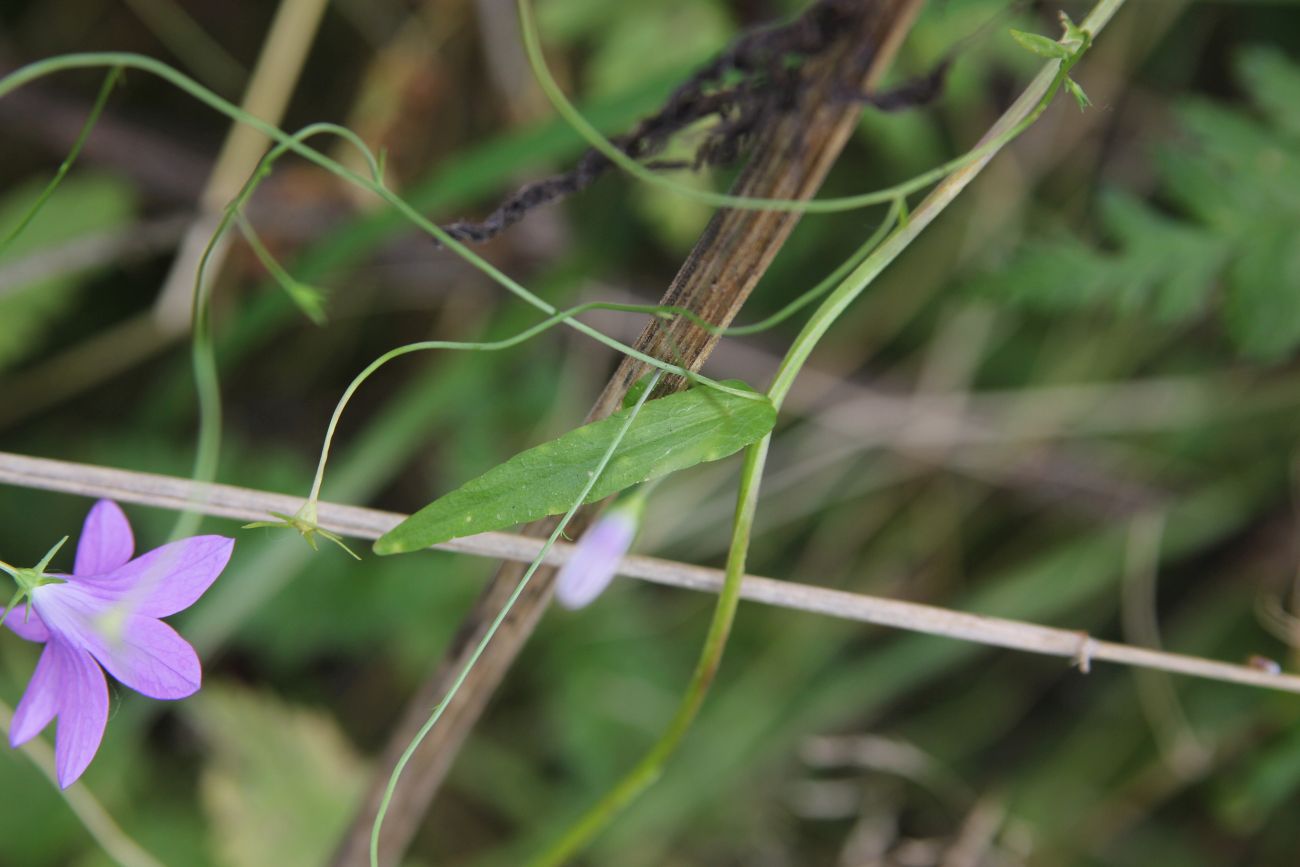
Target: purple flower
595 558
106 614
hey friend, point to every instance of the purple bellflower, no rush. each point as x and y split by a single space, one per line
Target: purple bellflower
106 614
595 558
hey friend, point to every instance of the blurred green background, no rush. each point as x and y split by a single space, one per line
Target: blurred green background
1087 362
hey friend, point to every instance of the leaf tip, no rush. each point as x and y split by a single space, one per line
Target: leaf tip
386 545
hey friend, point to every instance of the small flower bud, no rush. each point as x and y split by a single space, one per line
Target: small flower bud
597 554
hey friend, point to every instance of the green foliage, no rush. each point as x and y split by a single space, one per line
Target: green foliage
1070 759
282 781
1046 48
670 434
82 205
1267 782
1233 187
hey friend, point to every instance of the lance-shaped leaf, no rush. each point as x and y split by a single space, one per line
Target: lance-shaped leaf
669 434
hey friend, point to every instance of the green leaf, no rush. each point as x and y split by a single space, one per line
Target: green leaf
1274 85
37 294
282 782
635 390
1051 274
670 434
1230 191
1168 266
1263 782
1076 91
1262 308
1041 45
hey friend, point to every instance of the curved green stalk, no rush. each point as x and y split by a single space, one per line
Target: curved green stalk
95 110
830 281
648 770
497 621
33 71
651 765
207 384
313 496
570 113
426 345
662 310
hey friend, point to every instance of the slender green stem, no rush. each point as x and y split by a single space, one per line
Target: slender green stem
647 771
830 281
307 298
33 71
1023 112
207 383
498 620
593 136
495 345
95 110
848 291
666 310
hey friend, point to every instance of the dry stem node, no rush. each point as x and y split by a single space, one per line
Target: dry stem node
1083 657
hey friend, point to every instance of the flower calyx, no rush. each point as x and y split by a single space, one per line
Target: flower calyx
304 523
28 579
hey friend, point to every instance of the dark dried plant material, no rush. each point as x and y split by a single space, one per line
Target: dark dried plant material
747 88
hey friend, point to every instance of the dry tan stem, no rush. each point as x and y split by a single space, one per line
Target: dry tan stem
226 501
274 78
92 815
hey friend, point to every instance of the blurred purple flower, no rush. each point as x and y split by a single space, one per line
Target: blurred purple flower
595 558
106 614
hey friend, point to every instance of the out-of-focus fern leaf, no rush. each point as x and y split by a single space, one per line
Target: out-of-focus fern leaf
1274 85
1255 162
81 205
281 782
1232 242
1262 308
1054 274
1169 266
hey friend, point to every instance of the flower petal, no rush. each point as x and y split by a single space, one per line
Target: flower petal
106 541
148 656
167 579
141 651
83 712
41 700
26 623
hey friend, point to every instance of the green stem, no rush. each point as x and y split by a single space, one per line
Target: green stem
207 382
593 136
651 766
498 620
832 280
33 71
426 345
648 770
95 110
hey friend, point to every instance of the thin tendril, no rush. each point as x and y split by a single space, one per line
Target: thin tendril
207 383
593 136
33 71
95 110
663 310
36 70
